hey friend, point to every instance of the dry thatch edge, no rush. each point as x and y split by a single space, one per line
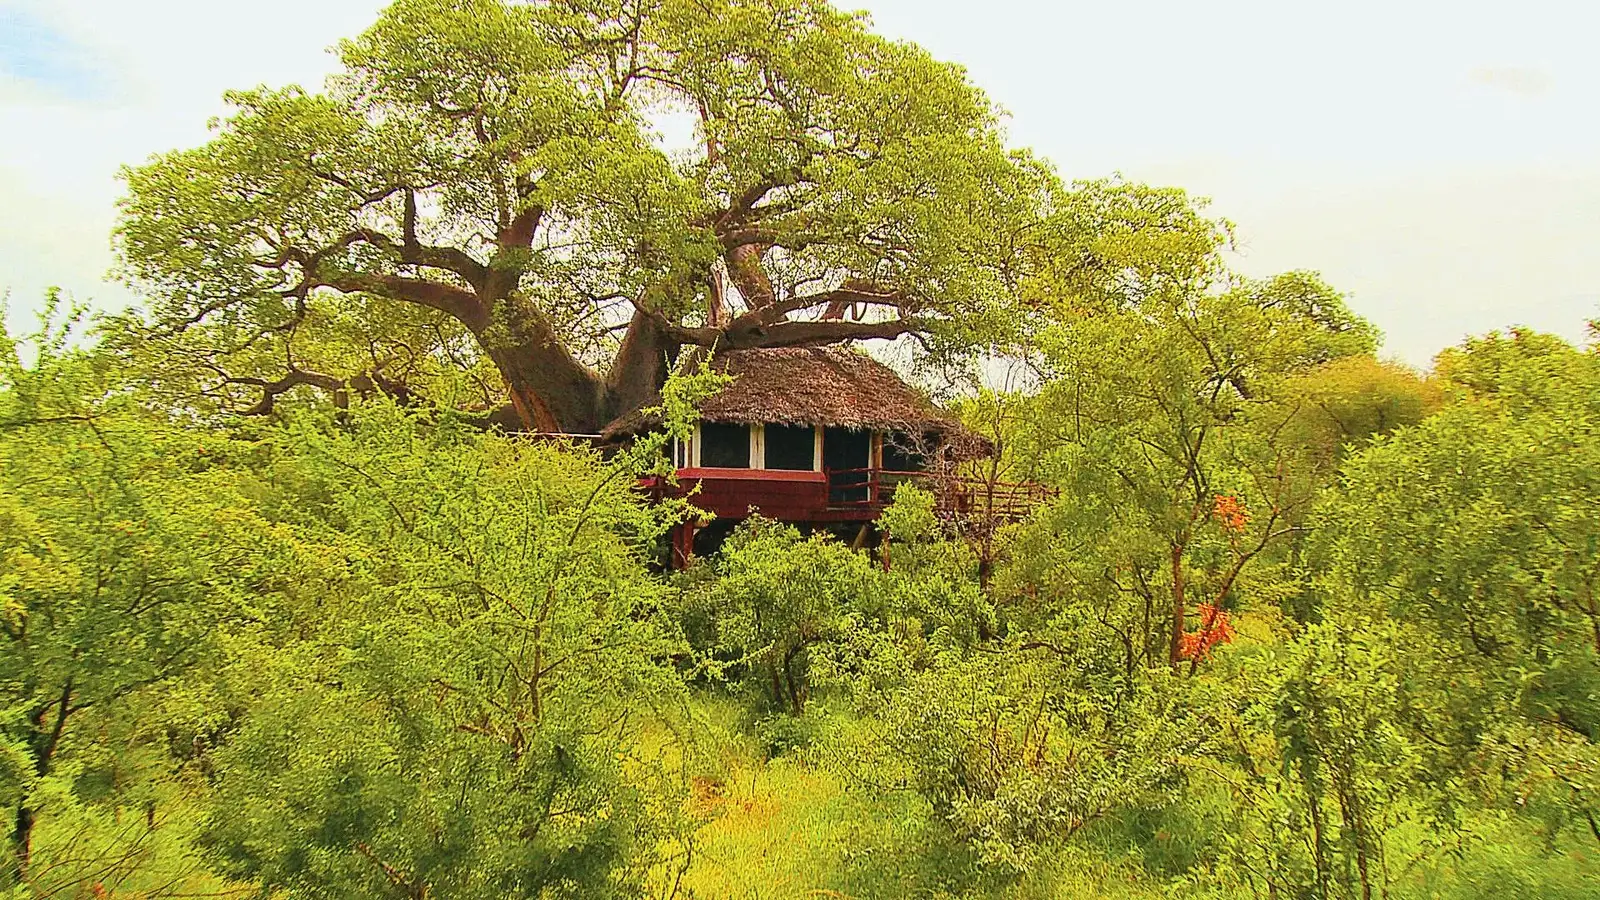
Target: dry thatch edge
827 386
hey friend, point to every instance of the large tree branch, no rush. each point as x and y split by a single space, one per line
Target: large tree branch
747 273
272 390
803 334
743 334
512 243
642 362
364 385
367 197
45 744
744 205
451 259
412 252
849 294
765 237
458 302
518 233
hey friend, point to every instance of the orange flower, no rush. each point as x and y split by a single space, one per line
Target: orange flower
1230 513
1215 629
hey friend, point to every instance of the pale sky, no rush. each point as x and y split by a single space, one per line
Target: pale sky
1439 160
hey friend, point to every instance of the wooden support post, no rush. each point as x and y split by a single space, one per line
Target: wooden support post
861 537
682 545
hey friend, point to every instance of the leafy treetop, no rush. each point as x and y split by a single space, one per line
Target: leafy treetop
503 173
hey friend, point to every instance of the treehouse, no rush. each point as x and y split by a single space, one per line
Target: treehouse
817 437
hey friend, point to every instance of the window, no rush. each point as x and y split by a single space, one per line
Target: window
724 446
791 447
846 454
682 457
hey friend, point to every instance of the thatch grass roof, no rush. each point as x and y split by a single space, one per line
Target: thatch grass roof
828 386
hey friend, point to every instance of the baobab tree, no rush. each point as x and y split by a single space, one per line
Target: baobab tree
559 196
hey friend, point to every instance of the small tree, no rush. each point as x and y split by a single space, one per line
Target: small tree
458 705
778 595
127 549
1162 417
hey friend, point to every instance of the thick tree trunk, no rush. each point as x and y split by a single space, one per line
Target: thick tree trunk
748 275
550 388
643 361
553 392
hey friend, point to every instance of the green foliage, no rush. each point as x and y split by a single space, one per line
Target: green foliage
1343 404
1478 526
1295 623
1171 420
466 708
126 552
778 594
1318 772
1017 750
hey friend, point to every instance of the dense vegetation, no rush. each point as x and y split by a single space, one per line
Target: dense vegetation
287 612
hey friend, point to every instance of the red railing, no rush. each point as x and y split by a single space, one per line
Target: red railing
955 496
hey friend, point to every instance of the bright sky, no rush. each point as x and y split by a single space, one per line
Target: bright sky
1437 159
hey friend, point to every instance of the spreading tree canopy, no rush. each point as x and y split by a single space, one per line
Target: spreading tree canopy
510 192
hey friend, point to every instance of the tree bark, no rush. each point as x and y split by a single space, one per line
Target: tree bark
551 390
748 275
641 366
797 699
1179 606
22 842
44 744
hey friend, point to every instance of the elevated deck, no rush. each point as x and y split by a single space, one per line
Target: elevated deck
968 505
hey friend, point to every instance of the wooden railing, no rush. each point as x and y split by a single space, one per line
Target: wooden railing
955 496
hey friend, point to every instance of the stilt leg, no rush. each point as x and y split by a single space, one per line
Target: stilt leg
682 545
861 537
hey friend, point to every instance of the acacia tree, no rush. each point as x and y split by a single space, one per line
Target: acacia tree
477 699
126 549
499 177
1480 529
1169 425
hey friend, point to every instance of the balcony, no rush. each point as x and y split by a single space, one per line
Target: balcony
957 498
847 495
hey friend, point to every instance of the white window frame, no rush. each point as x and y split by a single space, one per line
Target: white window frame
758 448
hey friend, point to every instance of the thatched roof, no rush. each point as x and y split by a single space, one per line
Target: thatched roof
808 386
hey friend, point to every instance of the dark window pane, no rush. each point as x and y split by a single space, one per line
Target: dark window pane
842 451
724 446
791 447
